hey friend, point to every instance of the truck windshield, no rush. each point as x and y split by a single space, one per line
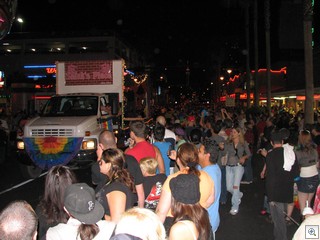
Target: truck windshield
71 106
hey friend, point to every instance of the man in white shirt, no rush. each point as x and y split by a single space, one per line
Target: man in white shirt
169 135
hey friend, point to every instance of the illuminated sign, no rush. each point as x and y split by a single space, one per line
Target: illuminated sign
1 79
303 98
88 73
40 71
51 70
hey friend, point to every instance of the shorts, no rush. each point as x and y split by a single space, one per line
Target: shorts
308 185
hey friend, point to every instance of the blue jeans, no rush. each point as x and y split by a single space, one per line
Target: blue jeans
266 204
223 195
234 175
248 174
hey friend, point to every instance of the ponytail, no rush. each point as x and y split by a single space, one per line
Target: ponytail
88 231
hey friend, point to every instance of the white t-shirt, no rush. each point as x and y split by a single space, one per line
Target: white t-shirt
69 230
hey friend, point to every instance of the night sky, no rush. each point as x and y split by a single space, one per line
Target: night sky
173 34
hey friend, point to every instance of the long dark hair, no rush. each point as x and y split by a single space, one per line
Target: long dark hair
57 180
118 172
193 212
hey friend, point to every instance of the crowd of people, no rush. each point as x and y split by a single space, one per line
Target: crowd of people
171 179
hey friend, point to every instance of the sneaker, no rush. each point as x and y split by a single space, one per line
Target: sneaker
246 182
233 212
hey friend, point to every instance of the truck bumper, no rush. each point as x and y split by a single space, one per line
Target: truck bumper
83 158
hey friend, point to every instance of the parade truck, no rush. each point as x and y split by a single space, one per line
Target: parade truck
87 99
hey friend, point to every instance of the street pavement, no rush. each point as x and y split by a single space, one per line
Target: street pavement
246 225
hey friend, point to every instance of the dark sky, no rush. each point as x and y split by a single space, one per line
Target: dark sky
159 24
172 33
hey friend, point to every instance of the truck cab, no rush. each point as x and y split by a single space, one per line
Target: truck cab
66 132
88 95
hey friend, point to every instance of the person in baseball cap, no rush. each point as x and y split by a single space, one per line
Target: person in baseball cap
186 209
81 204
85 216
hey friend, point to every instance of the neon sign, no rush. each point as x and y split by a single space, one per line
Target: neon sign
51 70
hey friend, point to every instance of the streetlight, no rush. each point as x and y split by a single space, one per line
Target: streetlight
20 20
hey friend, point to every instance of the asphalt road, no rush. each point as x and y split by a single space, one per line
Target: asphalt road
247 224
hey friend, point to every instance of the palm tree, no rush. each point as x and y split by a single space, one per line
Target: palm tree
308 57
268 55
256 54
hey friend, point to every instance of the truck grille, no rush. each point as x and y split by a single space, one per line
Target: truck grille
52 132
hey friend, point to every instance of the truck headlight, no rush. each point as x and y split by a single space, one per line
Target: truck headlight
89 144
20 145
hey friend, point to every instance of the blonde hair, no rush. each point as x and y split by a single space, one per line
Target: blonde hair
148 165
142 223
241 136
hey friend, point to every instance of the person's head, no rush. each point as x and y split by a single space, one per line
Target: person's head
112 162
285 132
80 203
228 123
276 138
57 180
305 139
161 120
179 132
18 221
236 134
158 132
187 157
142 223
148 166
191 120
107 139
113 165
315 129
196 136
208 153
137 129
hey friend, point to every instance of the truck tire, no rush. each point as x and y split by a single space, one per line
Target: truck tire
30 171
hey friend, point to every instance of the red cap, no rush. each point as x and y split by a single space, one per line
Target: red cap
191 118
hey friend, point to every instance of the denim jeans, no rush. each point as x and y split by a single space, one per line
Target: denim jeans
234 175
266 204
223 195
248 174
